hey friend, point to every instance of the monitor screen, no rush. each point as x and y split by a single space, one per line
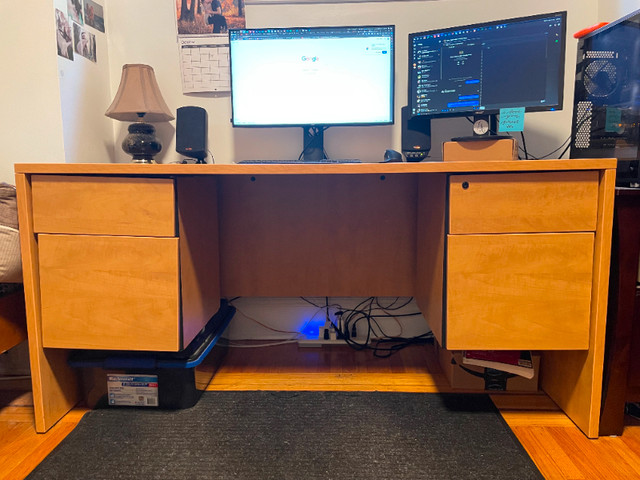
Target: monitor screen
482 68
312 76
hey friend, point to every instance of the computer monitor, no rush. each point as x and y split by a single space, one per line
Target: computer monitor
312 77
482 68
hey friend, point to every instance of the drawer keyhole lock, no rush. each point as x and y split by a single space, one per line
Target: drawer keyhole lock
465 185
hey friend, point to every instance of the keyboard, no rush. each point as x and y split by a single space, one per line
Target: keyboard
301 162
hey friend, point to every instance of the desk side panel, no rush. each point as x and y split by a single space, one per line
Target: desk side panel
573 379
320 235
54 383
431 208
199 252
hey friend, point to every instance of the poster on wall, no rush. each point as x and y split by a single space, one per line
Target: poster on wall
93 15
204 46
84 42
74 10
202 17
64 38
72 36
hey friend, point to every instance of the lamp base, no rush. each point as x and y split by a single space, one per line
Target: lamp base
141 143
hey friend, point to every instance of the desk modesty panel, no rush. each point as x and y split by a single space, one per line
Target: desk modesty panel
499 255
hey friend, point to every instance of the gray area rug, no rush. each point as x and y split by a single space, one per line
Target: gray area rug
296 435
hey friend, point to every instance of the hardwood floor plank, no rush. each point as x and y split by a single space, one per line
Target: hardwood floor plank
548 455
557 446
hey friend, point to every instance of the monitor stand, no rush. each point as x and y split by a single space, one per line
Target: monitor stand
313 143
485 128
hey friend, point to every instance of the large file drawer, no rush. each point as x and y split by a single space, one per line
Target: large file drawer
110 292
519 292
104 205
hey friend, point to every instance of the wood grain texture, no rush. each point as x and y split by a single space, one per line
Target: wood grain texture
318 235
559 449
55 385
519 291
13 322
372 206
314 169
574 379
523 203
103 205
199 253
431 234
115 293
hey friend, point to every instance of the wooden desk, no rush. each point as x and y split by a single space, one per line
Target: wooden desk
509 254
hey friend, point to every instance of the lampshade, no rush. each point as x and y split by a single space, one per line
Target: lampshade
139 97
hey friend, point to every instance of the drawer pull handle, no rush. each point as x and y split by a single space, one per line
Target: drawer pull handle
465 185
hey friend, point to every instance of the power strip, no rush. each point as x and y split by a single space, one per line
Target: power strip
319 342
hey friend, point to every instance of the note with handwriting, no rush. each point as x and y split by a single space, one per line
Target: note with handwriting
511 119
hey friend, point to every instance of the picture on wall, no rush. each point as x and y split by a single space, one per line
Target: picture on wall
74 10
93 15
64 37
84 42
203 17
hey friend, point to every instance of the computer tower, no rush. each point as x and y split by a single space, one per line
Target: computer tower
191 132
606 114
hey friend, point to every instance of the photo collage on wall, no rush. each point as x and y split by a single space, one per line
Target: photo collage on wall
72 36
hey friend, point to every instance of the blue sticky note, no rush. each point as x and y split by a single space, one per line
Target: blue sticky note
511 119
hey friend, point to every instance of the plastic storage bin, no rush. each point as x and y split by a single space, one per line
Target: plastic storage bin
171 380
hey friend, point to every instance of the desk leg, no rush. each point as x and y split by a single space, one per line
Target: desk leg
622 294
54 383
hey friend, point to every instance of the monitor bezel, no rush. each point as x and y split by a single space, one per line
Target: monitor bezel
473 112
323 124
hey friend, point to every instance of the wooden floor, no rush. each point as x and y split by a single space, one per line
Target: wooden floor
559 449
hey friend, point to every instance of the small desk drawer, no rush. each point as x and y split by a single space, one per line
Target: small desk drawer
103 205
523 202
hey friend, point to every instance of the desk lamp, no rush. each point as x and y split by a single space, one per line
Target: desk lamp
139 100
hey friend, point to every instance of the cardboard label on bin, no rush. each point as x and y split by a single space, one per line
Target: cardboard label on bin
133 390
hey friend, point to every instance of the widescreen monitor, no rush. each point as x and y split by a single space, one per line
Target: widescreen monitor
485 67
312 76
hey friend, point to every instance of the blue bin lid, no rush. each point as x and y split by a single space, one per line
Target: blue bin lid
189 357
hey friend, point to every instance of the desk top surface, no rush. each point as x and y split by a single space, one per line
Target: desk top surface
298 169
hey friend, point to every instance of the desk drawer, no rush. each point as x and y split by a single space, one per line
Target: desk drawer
114 293
103 205
519 291
523 202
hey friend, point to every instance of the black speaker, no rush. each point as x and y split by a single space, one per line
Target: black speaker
416 136
191 132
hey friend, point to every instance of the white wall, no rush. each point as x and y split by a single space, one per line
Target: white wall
85 94
154 42
30 117
52 108
612 10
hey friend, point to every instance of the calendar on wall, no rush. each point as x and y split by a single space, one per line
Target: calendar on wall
202 27
204 63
